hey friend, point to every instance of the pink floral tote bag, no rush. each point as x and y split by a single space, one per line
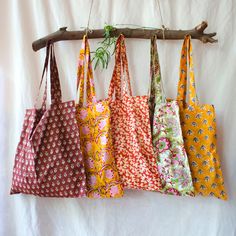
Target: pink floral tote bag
93 119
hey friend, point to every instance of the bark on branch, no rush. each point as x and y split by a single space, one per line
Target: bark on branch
62 34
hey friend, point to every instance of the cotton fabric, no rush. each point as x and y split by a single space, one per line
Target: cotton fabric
93 119
131 131
172 160
198 122
48 161
22 22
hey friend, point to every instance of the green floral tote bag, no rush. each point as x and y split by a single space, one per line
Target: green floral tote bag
172 161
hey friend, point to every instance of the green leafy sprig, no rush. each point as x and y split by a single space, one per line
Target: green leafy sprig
103 53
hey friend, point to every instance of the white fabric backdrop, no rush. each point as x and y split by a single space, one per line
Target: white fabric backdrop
139 212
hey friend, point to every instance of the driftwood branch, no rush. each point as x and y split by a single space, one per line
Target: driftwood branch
62 34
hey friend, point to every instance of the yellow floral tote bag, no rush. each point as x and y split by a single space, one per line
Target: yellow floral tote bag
198 124
95 134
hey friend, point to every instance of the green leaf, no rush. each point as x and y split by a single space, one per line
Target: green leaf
103 53
96 64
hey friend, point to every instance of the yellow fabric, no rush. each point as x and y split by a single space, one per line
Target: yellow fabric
199 131
95 135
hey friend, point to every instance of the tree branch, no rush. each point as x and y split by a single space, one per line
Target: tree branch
62 34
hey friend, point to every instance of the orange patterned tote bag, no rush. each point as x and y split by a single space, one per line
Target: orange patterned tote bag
95 134
172 160
131 128
199 130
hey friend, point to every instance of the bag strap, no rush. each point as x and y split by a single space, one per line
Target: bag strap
157 94
45 70
85 67
54 78
185 62
120 77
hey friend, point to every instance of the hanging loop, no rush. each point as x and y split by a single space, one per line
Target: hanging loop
87 30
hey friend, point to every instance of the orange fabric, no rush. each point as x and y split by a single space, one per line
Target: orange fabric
199 131
131 130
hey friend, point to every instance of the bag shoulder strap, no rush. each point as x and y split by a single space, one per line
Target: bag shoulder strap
50 60
185 62
85 67
120 77
157 94
54 78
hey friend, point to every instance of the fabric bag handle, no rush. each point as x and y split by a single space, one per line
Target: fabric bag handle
85 67
120 77
54 78
55 90
157 94
45 70
185 62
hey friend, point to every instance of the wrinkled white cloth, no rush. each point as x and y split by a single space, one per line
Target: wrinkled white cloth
138 213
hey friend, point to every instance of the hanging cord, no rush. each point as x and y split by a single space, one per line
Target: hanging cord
162 21
89 16
163 32
136 26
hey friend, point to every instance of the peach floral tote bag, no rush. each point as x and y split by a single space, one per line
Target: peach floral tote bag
131 128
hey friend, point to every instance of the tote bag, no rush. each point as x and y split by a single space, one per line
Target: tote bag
131 128
95 134
48 159
198 123
172 160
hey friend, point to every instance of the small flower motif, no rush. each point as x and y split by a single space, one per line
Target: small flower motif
200 131
207 178
187 116
157 126
83 114
114 190
94 99
195 139
163 144
198 116
96 195
105 157
85 130
103 140
90 163
176 131
88 146
177 159
93 180
109 174
189 132
102 124
172 191
99 107
169 110
202 187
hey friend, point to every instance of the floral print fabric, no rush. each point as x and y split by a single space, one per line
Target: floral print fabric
199 131
48 161
131 129
95 134
168 142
